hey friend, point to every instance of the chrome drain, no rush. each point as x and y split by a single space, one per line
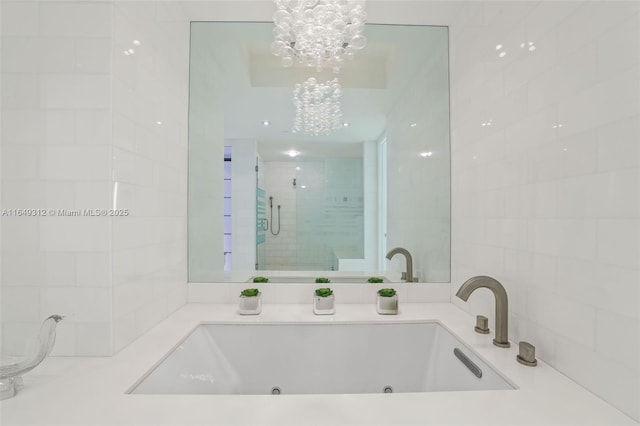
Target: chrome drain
275 390
387 389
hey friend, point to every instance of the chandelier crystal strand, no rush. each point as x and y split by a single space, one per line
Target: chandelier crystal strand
318 33
318 107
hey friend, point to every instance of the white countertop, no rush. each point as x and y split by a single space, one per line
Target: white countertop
91 391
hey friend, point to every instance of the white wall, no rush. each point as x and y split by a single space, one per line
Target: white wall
56 154
206 151
150 114
419 123
79 120
545 199
281 249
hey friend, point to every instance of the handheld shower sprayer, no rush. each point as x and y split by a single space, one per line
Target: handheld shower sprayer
271 211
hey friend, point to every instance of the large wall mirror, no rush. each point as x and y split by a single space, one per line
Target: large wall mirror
265 200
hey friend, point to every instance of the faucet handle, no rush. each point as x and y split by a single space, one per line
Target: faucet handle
482 324
527 355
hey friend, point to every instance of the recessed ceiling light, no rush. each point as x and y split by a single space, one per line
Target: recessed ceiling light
414 124
266 123
136 42
426 154
345 124
159 123
292 153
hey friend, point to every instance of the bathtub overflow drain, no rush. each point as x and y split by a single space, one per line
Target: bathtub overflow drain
387 389
275 390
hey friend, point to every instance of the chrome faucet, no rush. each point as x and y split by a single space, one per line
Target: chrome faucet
502 304
409 274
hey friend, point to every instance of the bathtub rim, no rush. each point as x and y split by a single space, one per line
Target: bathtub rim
150 370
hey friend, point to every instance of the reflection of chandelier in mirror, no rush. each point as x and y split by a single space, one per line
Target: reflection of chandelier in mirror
318 110
318 33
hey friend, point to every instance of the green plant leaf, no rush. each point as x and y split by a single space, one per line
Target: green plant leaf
323 280
260 280
324 292
387 292
250 292
375 280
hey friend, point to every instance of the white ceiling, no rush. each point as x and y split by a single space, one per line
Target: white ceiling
258 88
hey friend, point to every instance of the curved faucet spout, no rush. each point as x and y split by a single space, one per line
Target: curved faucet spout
407 255
502 304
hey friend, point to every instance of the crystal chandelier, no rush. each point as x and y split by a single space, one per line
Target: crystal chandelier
318 33
318 109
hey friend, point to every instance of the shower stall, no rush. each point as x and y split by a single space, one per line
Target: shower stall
314 213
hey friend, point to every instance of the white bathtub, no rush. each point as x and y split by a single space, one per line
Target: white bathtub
319 358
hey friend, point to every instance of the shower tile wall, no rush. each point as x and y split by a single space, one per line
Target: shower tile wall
79 131
545 156
330 212
320 218
281 249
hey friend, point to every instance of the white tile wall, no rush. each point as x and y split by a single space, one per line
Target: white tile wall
151 109
280 250
56 66
79 131
546 199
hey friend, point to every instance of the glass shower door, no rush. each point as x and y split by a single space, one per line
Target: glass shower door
261 222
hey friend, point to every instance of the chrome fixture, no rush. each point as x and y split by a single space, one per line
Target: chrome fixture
11 374
472 366
318 33
502 304
527 354
408 276
273 232
318 107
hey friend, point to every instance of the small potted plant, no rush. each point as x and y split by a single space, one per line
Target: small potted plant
322 280
375 280
260 279
387 301
250 302
323 302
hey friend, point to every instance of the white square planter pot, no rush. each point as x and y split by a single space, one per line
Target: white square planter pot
387 305
324 305
250 305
